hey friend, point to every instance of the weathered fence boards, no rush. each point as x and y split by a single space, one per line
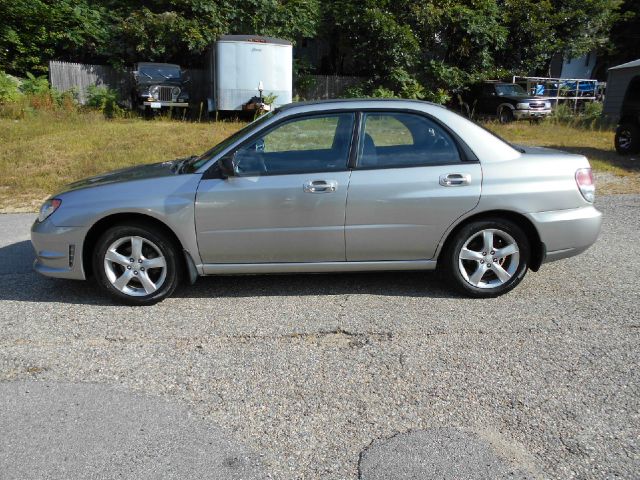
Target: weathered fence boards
66 76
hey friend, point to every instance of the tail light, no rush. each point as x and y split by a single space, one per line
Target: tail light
586 185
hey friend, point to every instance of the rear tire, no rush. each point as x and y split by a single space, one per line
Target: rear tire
138 265
627 139
486 258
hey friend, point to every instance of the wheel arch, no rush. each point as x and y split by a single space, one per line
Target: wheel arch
138 219
538 249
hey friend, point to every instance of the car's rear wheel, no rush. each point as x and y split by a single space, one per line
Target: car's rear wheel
137 265
486 258
627 139
505 115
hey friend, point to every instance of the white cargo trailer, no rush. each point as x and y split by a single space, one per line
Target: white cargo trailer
239 64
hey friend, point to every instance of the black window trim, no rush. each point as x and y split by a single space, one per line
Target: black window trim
466 154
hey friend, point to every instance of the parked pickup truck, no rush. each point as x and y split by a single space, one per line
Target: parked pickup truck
159 85
507 101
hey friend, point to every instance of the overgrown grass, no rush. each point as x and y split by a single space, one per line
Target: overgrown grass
42 152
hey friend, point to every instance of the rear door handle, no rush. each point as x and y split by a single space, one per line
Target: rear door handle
455 179
320 186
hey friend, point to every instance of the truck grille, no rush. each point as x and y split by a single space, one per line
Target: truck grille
536 104
164 94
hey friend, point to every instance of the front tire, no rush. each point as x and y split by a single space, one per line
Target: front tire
138 265
505 115
486 258
627 139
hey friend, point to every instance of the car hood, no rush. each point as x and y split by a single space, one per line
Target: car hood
140 172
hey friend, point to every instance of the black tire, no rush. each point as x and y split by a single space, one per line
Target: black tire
505 115
627 140
450 264
155 243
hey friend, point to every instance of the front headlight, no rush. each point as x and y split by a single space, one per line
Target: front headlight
522 106
153 91
547 105
48 208
175 91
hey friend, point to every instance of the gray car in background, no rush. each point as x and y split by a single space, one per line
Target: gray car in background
335 186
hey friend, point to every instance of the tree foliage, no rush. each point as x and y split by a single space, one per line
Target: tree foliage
403 47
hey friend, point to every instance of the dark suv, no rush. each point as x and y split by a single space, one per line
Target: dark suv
158 86
627 139
508 101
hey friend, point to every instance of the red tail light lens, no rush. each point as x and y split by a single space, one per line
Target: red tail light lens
586 185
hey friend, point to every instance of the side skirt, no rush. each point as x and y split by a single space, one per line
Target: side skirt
317 267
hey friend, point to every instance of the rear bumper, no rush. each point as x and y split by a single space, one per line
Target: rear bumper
58 250
566 233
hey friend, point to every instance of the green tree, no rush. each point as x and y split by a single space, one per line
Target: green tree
35 31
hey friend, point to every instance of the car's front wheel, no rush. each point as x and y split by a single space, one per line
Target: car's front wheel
486 258
505 115
138 265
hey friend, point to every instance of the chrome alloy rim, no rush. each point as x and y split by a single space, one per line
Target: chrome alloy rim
489 258
624 139
135 266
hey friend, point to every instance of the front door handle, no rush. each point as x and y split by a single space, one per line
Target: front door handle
455 179
320 186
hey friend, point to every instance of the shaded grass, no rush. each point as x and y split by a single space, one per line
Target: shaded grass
42 153
614 173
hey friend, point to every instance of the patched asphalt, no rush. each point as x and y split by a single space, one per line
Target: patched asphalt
327 376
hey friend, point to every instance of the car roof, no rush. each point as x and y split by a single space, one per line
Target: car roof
356 103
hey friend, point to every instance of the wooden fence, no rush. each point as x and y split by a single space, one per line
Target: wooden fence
324 87
66 76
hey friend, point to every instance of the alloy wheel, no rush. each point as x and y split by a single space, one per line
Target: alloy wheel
489 258
135 266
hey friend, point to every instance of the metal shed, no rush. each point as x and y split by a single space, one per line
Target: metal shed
618 81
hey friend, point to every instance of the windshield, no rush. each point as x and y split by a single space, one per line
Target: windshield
510 89
198 162
158 72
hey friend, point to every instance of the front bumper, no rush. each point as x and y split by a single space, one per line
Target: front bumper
566 233
58 250
165 104
529 114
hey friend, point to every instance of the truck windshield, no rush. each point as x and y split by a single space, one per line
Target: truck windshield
510 89
158 72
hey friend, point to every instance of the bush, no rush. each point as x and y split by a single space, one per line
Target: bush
590 117
9 88
33 85
105 100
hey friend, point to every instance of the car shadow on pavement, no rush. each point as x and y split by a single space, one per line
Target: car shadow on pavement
21 283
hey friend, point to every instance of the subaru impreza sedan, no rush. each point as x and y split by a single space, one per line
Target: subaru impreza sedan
335 186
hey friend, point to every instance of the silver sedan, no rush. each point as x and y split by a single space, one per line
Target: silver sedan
336 186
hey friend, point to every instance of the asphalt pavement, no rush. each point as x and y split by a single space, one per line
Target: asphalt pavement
370 376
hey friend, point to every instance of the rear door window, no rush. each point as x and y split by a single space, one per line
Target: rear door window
392 140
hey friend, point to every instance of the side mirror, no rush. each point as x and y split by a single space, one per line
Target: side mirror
227 165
